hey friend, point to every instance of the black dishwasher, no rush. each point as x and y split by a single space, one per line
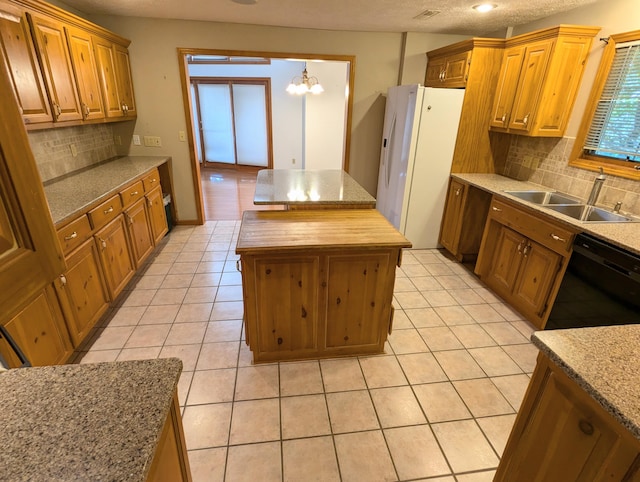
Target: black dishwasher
600 287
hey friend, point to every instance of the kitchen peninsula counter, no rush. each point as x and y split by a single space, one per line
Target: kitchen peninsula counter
100 421
298 188
626 235
73 193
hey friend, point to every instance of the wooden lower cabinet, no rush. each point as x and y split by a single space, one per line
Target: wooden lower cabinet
562 434
139 232
82 292
523 258
171 462
157 214
115 255
463 221
39 330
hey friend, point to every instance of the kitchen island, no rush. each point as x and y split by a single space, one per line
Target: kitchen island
310 189
580 418
104 421
317 283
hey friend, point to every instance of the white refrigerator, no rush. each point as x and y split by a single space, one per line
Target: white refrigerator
419 136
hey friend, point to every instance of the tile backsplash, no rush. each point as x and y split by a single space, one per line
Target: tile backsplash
544 161
52 148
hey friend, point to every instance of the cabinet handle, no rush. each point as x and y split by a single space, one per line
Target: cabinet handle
107 211
525 119
458 192
73 235
85 110
526 249
63 280
130 219
134 193
519 248
238 265
557 238
585 427
153 180
57 110
504 118
150 202
103 243
496 209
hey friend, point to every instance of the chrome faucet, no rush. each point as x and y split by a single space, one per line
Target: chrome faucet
595 190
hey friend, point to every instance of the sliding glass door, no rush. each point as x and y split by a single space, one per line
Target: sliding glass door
233 121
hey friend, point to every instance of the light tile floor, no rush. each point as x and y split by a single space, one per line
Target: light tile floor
438 405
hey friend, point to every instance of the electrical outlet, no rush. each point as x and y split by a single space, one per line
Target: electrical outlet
152 141
293 161
182 136
136 140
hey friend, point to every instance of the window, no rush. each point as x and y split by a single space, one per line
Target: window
610 132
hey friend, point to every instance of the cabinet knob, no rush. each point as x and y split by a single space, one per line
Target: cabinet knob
525 119
133 193
503 118
557 238
586 427
103 243
458 192
107 211
496 209
73 235
63 280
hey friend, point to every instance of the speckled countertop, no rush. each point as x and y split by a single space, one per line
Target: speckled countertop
296 186
625 235
69 195
94 422
605 362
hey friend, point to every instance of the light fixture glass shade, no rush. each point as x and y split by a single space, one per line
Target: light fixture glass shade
305 84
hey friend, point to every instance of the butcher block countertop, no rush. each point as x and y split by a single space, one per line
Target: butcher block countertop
625 235
296 187
88 422
604 361
308 229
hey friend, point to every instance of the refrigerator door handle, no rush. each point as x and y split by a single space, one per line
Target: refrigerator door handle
388 149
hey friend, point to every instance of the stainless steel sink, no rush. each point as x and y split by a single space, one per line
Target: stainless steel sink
591 214
544 197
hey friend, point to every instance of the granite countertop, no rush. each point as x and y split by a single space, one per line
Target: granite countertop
84 422
605 362
71 194
625 235
296 186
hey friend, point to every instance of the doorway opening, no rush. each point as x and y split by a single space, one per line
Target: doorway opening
302 131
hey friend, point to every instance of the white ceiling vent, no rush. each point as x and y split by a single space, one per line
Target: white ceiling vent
427 14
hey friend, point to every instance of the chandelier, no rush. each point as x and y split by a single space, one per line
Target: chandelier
305 84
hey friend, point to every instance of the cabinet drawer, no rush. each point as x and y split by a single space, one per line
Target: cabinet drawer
105 212
74 234
551 235
132 194
151 180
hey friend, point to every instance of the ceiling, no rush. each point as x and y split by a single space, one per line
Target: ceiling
453 17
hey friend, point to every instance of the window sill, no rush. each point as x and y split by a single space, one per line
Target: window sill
620 169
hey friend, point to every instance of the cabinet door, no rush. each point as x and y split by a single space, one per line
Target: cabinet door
359 300
106 65
20 56
139 231
532 76
56 65
435 71
125 82
564 438
537 274
285 305
82 292
157 215
507 257
506 88
84 65
456 68
40 332
452 219
117 263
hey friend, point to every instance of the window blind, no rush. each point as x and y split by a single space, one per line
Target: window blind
615 128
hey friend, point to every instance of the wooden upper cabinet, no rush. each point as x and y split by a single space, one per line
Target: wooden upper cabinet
539 79
55 61
125 83
84 65
20 56
448 71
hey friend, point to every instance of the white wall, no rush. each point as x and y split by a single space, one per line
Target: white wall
324 119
